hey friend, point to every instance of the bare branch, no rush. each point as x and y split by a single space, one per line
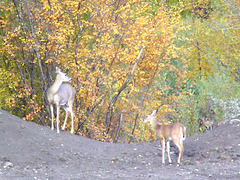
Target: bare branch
114 99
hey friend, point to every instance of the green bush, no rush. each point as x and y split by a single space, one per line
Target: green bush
215 98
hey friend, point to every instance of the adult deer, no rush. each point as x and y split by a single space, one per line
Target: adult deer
175 132
60 94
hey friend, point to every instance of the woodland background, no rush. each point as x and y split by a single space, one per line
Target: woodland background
127 57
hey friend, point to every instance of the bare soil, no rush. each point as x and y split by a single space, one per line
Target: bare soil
31 151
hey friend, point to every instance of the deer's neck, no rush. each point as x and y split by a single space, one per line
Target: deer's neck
154 123
55 87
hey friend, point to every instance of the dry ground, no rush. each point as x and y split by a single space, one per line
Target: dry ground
31 151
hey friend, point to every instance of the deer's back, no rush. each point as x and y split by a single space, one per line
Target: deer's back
168 131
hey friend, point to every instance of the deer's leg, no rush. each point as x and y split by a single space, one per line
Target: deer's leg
58 111
163 150
52 114
65 121
168 152
180 148
72 116
181 143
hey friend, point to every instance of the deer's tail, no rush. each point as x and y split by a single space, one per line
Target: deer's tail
184 133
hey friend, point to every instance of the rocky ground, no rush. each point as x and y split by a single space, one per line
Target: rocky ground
31 151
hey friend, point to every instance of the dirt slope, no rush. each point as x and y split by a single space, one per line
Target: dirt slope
30 151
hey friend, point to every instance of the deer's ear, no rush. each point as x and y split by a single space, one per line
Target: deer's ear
58 70
154 112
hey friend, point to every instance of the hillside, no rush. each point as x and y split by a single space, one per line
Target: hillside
37 152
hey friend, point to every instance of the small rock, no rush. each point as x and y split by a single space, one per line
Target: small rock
22 126
227 148
148 154
62 159
114 160
7 164
222 157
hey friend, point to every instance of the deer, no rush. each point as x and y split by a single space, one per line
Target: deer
175 132
207 124
61 95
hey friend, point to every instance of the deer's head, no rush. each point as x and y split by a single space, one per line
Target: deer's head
62 76
150 117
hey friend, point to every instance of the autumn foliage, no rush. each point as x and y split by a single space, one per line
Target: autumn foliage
126 58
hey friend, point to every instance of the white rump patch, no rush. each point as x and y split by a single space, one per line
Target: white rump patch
184 137
181 138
